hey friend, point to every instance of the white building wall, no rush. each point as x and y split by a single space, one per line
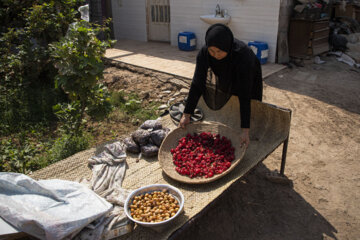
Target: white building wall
129 19
250 19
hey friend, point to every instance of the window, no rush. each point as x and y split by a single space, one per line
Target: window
160 13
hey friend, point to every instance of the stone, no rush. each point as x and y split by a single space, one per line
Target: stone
167 87
179 83
184 91
162 107
170 100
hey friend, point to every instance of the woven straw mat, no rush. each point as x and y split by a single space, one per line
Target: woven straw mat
269 128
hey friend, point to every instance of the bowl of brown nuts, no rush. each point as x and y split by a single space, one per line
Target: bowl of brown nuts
154 205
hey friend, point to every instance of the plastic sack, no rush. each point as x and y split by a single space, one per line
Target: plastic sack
141 136
131 146
151 124
158 136
149 150
84 11
342 57
48 209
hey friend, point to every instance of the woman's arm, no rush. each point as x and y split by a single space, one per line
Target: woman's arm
192 99
245 113
247 76
191 103
196 88
244 136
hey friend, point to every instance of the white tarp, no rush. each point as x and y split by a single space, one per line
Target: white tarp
48 209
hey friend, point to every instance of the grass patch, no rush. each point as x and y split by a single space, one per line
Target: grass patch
67 145
129 106
24 152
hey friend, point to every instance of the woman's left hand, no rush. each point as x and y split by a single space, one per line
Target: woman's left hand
244 137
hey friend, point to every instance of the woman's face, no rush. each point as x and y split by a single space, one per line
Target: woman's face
216 53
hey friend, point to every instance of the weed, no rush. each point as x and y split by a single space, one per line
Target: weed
67 145
132 107
17 157
117 98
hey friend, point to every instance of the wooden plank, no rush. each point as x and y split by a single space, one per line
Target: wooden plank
282 38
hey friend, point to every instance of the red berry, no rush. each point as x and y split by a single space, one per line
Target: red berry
203 155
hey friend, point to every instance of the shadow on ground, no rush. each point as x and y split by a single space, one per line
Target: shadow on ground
255 208
333 82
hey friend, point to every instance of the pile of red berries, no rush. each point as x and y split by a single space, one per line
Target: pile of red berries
203 155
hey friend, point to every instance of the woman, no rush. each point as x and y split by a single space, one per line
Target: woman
225 66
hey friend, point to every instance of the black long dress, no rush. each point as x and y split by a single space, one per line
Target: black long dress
239 75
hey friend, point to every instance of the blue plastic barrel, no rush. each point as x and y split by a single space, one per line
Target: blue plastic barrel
187 41
260 49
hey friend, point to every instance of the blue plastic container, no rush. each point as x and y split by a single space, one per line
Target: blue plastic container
260 49
187 41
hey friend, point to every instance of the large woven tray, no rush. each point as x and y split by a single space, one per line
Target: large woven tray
171 141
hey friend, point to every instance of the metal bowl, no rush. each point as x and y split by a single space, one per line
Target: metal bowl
158 226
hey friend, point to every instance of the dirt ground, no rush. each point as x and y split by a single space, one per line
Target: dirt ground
150 86
323 155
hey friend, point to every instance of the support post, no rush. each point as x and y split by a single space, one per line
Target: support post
283 158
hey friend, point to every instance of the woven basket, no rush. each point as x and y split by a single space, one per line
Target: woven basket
172 139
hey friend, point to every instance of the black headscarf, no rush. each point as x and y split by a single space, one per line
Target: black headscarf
220 36
218 89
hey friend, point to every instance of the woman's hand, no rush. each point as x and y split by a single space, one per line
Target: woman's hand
244 137
185 120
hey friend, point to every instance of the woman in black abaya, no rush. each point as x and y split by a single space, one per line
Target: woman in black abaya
225 66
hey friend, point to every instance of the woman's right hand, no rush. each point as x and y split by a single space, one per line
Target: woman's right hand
185 120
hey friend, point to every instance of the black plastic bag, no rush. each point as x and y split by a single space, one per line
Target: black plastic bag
141 136
158 136
131 145
151 124
338 42
149 150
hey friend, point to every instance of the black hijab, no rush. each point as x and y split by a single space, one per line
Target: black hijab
219 82
220 36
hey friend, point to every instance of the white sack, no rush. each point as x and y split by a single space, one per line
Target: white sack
48 209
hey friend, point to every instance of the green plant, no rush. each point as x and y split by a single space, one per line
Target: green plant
26 72
69 116
78 60
16 157
131 106
118 115
67 145
100 105
148 112
118 98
